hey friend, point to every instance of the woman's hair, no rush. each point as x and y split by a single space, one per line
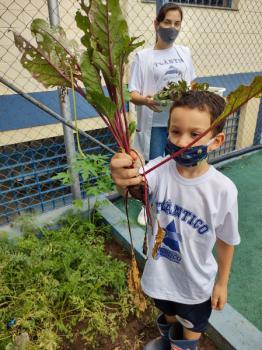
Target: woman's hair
168 7
203 101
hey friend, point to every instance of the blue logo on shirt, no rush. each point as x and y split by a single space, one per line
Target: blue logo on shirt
169 248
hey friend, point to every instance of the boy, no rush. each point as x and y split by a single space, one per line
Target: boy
196 206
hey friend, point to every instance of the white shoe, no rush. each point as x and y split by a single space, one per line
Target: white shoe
142 218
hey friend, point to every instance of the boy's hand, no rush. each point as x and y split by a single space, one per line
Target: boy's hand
122 173
219 296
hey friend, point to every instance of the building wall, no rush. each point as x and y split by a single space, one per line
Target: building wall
221 41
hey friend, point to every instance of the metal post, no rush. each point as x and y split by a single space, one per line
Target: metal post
54 19
258 132
160 3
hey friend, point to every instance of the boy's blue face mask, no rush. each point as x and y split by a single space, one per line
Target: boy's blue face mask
190 157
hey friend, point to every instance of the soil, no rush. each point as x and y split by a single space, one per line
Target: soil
138 332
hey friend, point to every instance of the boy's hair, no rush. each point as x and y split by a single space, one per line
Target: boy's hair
168 7
203 101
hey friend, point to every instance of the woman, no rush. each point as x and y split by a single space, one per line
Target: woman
151 70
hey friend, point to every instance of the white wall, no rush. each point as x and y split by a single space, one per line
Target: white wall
221 41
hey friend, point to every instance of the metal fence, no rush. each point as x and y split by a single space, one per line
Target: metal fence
226 45
27 171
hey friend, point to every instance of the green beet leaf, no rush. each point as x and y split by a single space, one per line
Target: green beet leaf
55 61
132 127
108 46
239 97
94 91
49 62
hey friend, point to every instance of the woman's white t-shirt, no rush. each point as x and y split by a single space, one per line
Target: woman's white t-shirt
145 78
168 65
193 213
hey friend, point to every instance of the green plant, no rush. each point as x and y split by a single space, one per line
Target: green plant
56 61
94 171
49 282
173 90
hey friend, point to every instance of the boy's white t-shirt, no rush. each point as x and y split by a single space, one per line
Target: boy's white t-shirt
193 213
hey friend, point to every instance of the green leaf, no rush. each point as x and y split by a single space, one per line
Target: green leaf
108 46
127 95
49 62
239 97
104 105
131 128
65 177
78 203
94 92
83 23
91 76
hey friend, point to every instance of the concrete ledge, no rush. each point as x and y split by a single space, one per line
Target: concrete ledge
232 331
228 328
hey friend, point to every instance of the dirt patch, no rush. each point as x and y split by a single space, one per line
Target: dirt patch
138 331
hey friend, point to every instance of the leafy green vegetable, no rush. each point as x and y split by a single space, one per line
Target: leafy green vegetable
49 62
51 281
107 47
173 91
95 173
239 97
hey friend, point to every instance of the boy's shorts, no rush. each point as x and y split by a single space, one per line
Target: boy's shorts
194 317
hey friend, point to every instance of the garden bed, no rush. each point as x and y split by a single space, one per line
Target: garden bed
65 287
139 330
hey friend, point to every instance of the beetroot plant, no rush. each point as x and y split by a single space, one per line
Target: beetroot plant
106 45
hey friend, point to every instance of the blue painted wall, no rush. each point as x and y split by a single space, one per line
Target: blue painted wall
18 113
229 81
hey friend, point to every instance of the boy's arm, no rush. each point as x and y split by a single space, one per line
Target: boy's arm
224 259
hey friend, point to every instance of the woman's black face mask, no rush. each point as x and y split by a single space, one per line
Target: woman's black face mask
168 35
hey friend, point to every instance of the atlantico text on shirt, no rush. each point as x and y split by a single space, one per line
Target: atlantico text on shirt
182 214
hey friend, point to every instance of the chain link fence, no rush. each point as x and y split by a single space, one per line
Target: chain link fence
226 45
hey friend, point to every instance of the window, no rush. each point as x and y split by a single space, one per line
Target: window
222 4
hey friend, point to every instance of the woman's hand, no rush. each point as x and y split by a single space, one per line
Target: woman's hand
152 104
148 101
125 169
219 296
